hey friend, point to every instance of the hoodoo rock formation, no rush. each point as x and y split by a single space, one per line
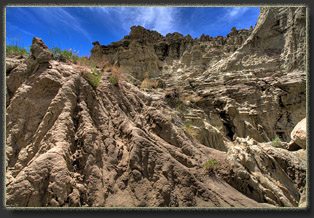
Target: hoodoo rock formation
218 127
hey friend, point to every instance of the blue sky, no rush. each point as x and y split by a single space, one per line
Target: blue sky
78 27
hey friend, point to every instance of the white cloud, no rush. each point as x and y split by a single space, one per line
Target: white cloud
235 12
18 29
58 15
161 19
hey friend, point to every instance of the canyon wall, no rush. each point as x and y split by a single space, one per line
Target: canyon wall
204 138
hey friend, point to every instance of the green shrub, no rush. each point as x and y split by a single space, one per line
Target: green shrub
219 128
94 78
188 128
180 107
83 60
70 54
15 49
113 79
92 64
16 46
276 142
56 51
114 76
211 163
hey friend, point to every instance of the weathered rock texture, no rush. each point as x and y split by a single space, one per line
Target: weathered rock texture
298 134
202 138
68 145
147 51
255 91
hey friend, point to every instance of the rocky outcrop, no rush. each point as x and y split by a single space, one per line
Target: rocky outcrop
254 91
141 34
40 55
260 176
298 135
273 37
71 145
153 49
200 139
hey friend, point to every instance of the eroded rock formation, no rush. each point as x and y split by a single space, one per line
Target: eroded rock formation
153 49
202 138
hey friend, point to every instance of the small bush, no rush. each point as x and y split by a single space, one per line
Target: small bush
83 61
276 142
94 78
147 84
114 76
16 46
211 163
14 49
181 108
67 55
92 64
219 128
188 128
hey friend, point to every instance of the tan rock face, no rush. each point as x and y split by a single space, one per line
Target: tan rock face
255 90
260 176
40 56
68 145
201 137
298 134
153 49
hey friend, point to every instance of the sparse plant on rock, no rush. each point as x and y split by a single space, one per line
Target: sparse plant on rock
65 55
189 129
94 78
276 142
115 76
110 143
181 108
92 64
17 47
219 128
83 61
210 164
147 84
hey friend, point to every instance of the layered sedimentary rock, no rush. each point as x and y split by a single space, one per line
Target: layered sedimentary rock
147 51
69 145
254 91
202 138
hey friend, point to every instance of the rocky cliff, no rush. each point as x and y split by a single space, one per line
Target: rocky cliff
148 51
203 138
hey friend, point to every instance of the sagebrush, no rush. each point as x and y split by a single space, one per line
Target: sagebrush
94 78
16 46
115 76
276 142
67 55
211 163
189 129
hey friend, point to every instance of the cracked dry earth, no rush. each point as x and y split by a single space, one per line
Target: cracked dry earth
71 145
